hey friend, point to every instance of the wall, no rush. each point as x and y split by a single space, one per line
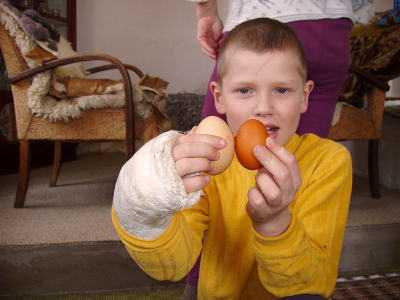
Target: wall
381 5
158 36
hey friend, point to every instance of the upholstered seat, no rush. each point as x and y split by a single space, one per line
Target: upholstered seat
109 122
375 60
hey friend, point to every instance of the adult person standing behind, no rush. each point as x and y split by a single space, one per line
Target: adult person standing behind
324 30
323 27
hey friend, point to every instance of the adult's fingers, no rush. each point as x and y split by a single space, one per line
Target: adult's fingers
209 52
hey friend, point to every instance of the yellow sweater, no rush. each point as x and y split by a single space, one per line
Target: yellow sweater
238 263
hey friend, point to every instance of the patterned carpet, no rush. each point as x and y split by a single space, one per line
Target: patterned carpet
382 287
372 287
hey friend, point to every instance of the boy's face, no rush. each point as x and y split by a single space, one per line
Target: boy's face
267 87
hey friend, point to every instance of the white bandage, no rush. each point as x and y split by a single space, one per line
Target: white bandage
149 190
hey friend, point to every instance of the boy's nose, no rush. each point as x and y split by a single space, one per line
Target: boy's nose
264 106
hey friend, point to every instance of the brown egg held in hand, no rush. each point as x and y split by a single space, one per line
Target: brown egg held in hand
216 126
250 134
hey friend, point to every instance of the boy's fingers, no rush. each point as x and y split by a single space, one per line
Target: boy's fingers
193 165
288 159
195 150
193 130
198 145
280 162
195 183
257 207
213 140
269 190
270 162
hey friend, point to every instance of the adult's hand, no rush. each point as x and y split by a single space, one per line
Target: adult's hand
209 28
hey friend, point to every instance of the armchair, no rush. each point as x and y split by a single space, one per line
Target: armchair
107 122
364 124
375 60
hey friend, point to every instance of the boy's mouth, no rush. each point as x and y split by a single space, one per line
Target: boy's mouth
271 130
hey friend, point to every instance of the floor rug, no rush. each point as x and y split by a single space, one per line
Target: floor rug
170 293
382 287
370 287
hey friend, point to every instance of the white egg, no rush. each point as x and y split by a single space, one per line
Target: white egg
216 126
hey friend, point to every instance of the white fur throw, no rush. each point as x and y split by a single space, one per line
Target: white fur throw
39 101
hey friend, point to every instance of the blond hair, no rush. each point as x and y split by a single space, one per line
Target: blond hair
261 35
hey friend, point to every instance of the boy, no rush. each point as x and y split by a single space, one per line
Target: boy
268 234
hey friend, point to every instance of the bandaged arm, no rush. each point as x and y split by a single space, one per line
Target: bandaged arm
149 190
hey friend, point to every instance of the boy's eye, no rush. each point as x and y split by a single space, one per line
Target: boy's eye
282 91
244 91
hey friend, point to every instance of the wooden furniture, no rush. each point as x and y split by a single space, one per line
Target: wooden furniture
42 151
375 60
108 124
365 124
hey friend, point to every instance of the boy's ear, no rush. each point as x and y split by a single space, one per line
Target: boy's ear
308 87
219 103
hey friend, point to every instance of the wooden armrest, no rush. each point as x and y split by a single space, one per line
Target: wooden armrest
66 61
372 79
90 57
112 67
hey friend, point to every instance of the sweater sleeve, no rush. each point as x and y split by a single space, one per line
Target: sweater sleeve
305 259
161 226
171 255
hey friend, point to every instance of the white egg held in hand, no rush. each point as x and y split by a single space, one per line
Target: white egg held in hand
216 126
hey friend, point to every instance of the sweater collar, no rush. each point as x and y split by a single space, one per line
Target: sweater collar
293 143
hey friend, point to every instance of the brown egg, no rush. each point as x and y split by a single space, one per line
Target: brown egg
250 134
216 126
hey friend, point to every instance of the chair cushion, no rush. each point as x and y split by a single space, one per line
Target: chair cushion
373 49
78 94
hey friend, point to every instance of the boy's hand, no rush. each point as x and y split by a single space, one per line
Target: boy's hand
194 153
276 185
